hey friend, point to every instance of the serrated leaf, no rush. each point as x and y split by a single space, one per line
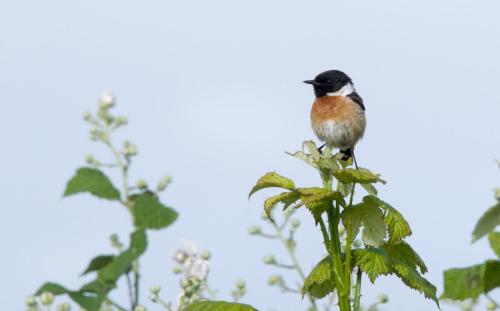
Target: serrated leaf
98 263
494 238
320 282
93 181
150 213
53 288
313 149
414 280
370 189
304 157
272 179
287 198
89 302
397 225
463 283
121 263
401 252
360 176
372 261
219 306
372 219
318 200
487 222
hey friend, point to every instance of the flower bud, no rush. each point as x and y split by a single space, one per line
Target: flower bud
269 260
491 306
47 298
185 283
295 223
155 290
87 116
206 255
31 301
140 308
356 244
163 183
107 100
153 297
240 284
275 280
383 298
95 133
63 307
120 121
177 269
141 184
254 230
129 149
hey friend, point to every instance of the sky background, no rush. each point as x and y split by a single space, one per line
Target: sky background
214 94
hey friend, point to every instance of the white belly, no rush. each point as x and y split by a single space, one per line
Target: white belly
342 135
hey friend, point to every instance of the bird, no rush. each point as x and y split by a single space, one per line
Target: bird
338 112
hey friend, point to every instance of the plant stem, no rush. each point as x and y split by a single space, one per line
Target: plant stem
348 245
129 286
291 252
357 291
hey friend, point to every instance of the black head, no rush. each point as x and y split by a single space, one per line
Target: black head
329 81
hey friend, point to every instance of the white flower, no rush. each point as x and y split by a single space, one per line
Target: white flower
107 99
197 268
187 251
189 246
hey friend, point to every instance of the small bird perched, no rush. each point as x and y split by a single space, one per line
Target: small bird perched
338 113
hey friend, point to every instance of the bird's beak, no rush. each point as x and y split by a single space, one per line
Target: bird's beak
309 82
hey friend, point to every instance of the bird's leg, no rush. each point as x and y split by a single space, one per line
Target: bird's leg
354 159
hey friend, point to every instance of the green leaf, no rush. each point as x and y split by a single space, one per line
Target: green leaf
318 200
372 261
398 259
487 223
150 213
320 282
98 262
93 181
313 149
494 238
121 263
397 225
304 157
372 219
219 306
471 282
273 179
370 189
287 198
87 301
360 176
53 288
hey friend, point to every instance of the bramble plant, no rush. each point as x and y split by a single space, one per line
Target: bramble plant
285 231
469 283
381 249
148 213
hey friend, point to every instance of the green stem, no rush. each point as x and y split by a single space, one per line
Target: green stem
357 291
348 245
291 252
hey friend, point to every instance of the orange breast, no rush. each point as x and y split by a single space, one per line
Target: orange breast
334 108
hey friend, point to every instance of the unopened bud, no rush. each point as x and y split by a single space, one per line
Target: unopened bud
491 306
140 308
141 184
129 149
47 298
155 290
87 116
269 260
254 230
240 284
107 100
185 283
177 269
163 183
120 121
206 255
275 280
356 244
63 307
31 301
153 297
383 298
341 229
295 223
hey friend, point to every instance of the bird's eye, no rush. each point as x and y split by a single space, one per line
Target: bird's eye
329 81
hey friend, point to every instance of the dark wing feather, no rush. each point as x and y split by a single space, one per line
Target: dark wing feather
354 96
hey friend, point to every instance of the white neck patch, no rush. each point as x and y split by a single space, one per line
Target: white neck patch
346 90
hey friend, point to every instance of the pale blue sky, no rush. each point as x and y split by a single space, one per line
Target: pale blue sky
214 94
